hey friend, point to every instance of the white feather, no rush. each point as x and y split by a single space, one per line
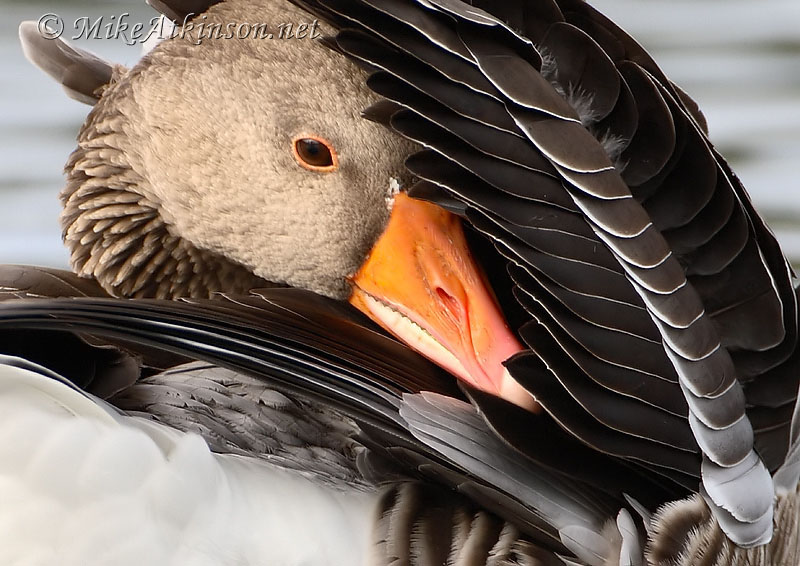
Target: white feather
80 485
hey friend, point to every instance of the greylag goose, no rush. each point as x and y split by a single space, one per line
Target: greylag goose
638 405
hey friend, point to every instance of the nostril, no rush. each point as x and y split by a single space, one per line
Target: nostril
450 302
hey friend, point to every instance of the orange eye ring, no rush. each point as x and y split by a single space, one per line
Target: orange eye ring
315 154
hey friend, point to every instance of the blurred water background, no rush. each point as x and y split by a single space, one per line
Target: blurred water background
740 59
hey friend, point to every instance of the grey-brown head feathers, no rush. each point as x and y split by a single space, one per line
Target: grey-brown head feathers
185 170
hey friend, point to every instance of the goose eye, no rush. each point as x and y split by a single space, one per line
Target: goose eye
315 154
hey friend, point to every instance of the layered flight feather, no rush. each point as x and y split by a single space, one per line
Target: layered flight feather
621 225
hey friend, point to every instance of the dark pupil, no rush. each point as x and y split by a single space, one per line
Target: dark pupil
314 152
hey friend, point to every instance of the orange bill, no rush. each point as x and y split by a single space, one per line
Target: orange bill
421 284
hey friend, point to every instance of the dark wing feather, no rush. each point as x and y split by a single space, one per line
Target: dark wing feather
100 369
590 70
612 476
500 144
620 46
324 351
653 141
24 281
284 337
555 86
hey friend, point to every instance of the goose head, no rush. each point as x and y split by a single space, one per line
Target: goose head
222 164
